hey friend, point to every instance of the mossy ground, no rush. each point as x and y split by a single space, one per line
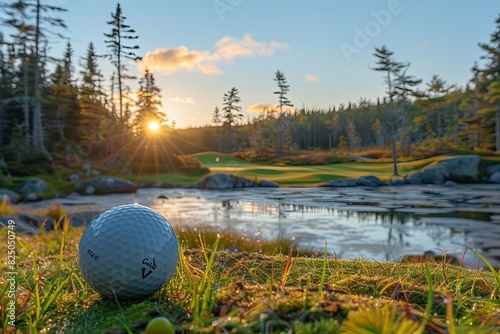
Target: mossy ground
251 292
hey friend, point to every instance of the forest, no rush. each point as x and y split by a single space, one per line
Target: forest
53 118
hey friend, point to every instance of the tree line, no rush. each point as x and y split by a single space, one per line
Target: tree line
48 111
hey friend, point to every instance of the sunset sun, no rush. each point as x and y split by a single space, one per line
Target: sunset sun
153 126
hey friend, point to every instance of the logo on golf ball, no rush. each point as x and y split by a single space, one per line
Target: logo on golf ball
150 264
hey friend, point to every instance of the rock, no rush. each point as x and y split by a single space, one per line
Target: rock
495 178
73 177
28 224
224 181
414 178
462 168
459 169
340 183
33 185
105 185
493 169
248 184
162 196
369 181
267 183
89 190
217 181
83 218
86 166
434 175
12 196
398 182
450 183
31 197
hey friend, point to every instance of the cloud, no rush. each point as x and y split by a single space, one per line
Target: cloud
178 99
268 107
226 50
259 107
311 77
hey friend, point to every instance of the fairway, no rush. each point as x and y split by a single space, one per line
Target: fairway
305 175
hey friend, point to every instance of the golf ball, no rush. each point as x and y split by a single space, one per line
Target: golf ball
128 252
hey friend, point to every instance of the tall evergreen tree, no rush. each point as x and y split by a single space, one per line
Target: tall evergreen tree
283 89
216 117
92 102
386 63
231 117
231 107
63 97
148 104
29 20
283 102
488 86
436 102
118 53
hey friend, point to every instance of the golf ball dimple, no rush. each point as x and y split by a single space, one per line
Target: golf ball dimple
128 252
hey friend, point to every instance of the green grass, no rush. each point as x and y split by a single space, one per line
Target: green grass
306 175
176 178
215 291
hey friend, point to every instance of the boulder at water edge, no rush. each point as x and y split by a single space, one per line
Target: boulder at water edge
105 185
33 185
495 177
225 181
267 183
369 181
458 169
12 197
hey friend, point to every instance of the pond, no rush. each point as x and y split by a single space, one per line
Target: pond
381 223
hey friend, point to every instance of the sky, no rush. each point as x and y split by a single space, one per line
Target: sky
199 50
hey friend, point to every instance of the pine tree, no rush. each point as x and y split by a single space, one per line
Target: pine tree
436 101
29 19
148 104
94 113
386 63
64 119
119 52
283 101
405 92
216 118
232 111
488 86
232 114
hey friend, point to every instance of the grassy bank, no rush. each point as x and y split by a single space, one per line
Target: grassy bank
306 175
254 290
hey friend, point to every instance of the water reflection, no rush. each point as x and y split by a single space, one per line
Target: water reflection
353 224
381 224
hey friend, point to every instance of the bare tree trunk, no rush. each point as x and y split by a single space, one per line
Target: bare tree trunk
60 128
26 98
38 140
497 128
120 91
394 151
